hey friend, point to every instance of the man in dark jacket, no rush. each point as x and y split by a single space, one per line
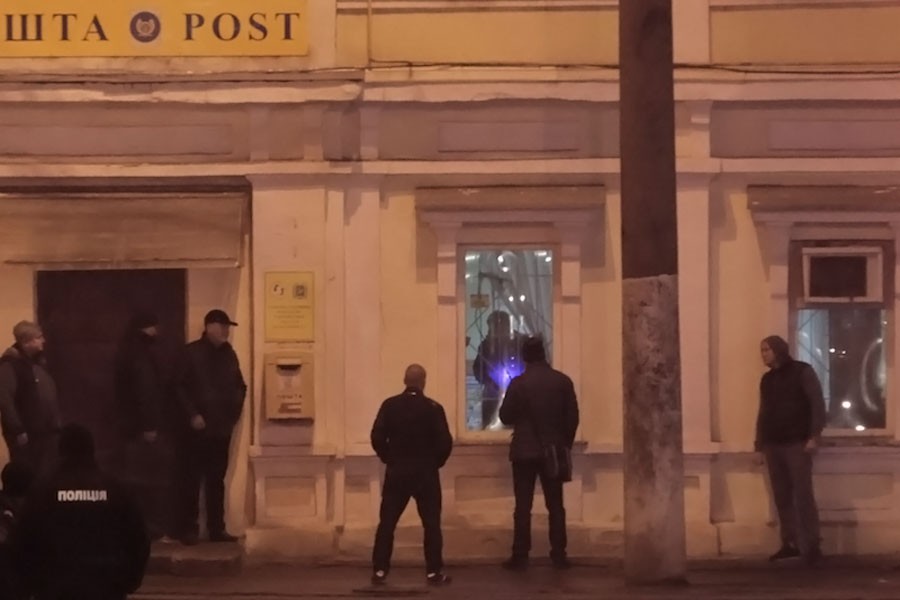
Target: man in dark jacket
498 361
788 427
141 398
29 412
211 393
542 407
412 438
81 534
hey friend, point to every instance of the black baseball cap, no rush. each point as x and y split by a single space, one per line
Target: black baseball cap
218 316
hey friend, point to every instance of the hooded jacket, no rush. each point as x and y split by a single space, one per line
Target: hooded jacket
139 385
791 404
541 406
28 401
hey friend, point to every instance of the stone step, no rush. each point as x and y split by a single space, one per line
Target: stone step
202 560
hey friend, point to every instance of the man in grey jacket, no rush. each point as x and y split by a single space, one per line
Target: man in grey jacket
29 412
542 407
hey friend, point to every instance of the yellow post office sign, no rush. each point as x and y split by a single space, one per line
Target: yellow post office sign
289 307
170 28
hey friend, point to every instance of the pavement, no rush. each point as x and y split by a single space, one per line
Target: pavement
837 578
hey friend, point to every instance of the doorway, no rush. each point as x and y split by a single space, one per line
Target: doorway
84 314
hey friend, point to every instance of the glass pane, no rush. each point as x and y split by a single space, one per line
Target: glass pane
509 296
845 346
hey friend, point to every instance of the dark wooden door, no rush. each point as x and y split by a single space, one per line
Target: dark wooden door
84 314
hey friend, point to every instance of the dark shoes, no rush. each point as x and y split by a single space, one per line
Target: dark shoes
222 536
786 551
379 578
561 562
813 557
515 563
438 579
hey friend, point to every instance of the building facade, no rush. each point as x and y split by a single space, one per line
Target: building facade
362 183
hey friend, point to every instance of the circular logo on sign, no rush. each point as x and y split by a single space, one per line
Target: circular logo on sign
145 27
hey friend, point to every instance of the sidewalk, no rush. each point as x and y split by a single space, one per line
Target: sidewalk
838 578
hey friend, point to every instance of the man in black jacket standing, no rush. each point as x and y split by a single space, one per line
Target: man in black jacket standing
211 393
542 407
80 534
29 409
412 438
141 397
788 427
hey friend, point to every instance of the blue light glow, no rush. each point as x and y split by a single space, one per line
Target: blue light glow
503 373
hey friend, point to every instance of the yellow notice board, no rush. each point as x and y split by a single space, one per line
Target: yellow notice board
289 307
133 28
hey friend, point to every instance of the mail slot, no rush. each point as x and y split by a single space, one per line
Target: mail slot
289 386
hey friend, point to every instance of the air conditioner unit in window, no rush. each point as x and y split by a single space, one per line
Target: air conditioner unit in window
842 274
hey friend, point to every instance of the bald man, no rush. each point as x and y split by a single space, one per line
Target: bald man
412 438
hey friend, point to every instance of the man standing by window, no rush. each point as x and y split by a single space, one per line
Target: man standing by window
412 438
211 393
542 407
497 362
788 427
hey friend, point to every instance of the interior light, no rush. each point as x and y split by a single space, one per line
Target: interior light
500 259
522 298
549 259
512 299
860 427
846 404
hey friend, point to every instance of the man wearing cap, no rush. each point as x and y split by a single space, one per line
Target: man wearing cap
29 412
211 391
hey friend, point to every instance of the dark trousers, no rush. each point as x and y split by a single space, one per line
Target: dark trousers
146 467
40 454
525 472
202 458
423 485
790 473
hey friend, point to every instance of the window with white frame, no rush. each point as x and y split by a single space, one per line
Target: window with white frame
509 297
839 320
509 259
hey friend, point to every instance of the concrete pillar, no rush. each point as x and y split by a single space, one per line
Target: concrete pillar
654 467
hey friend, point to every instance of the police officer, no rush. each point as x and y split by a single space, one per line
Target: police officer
412 438
81 534
16 478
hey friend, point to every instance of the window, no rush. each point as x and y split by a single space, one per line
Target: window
840 326
509 296
539 233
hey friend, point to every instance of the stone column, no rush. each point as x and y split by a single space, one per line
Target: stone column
654 469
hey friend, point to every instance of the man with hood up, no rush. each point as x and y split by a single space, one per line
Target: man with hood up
788 427
29 412
141 397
